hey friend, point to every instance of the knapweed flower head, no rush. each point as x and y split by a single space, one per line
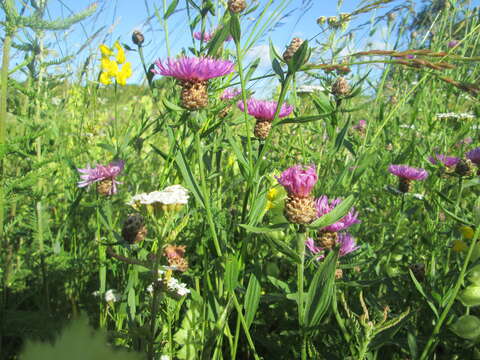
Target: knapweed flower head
345 241
175 257
193 68
206 36
229 94
448 161
102 174
407 172
265 110
299 181
116 68
324 206
474 156
193 74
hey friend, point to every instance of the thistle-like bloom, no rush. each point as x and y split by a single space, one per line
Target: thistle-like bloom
299 204
447 161
345 241
324 206
229 94
193 74
407 172
104 174
299 181
264 110
193 68
208 35
474 156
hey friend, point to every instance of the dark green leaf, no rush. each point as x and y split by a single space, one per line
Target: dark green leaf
336 214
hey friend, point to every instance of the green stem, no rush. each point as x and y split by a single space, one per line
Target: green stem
432 340
245 326
165 27
300 280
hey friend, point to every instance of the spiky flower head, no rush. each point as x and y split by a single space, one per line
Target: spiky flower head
134 229
324 206
230 93
474 156
340 87
292 48
299 181
345 241
206 36
237 6
103 175
175 255
193 68
264 110
407 172
448 161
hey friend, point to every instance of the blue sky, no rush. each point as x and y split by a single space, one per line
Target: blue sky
119 18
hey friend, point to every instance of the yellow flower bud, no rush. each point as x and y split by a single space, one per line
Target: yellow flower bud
105 50
467 232
105 79
272 194
121 56
459 245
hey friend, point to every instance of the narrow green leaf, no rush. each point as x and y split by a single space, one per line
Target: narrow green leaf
422 292
320 292
171 106
336 214
299 58
341 136
132 303
170 9
252 299
232 269
218 40
263 230
278 245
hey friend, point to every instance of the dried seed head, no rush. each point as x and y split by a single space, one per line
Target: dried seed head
464 167
134 229
175 256
237 6
404 185
138 38
262 129
105 187
225 111
300 210
194 94
292 49
340 87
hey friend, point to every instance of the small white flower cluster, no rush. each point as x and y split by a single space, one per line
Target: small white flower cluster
177 287
171 195
406 126
111 295
452 115
173 285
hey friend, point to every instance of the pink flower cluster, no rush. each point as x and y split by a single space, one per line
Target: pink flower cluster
407 172
100 173
193 68
265 110
345 240
298 181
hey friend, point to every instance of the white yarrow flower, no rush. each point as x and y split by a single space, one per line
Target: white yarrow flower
177 287
452 115
171 195
164 357
112 296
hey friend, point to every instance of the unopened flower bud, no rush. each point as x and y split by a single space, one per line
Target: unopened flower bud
292 49
138 38
237 6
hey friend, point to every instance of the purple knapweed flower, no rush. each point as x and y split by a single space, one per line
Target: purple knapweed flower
474 156
229 94
345 240
299 181
347 244
193 68
407 172
100 173
453 43
324 207
362 124
208 35
261 109
448 161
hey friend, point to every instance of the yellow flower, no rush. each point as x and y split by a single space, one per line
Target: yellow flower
272 194
121 55
467 232
106 51
105 78
459 245
124 74
109 66
269 205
